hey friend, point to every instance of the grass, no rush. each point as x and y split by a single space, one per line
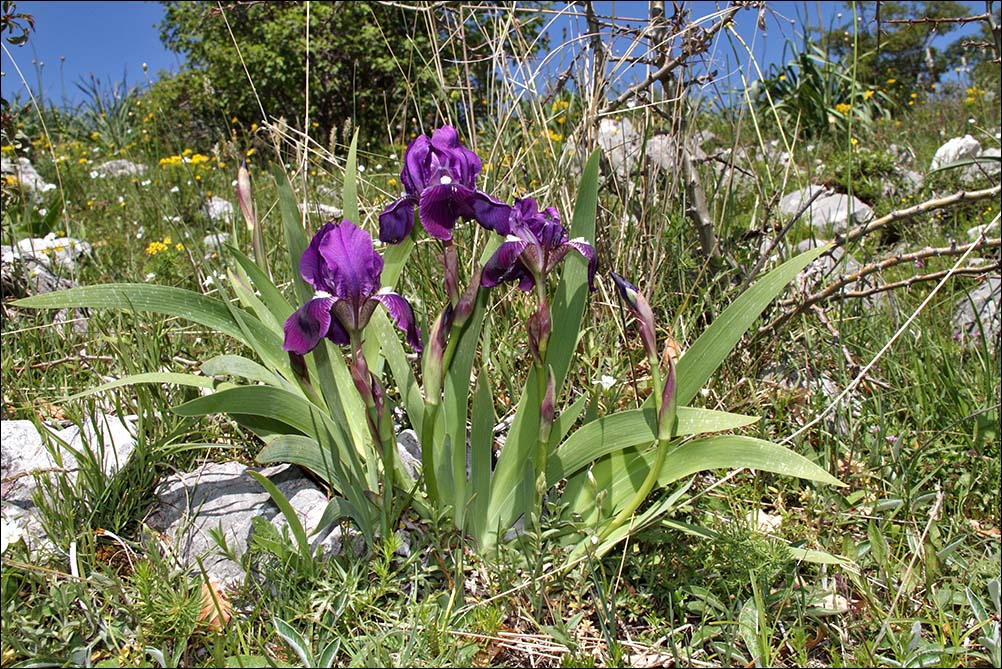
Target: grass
917 442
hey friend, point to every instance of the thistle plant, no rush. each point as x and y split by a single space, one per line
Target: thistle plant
316 406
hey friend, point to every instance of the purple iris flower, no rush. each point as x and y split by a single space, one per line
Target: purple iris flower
342 266
438 177
536 242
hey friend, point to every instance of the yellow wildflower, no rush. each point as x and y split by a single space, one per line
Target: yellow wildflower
843 108
179 246
892 81
251 151
555 136
156 247
867 95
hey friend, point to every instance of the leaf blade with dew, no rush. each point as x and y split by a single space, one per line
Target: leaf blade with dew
158 378
712 347
717 452
164 300
628 429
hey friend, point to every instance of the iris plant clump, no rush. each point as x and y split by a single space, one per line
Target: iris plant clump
332 413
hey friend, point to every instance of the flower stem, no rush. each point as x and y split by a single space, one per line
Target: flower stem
434 384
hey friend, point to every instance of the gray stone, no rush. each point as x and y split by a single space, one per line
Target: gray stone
980 310
218 209
119 168
830 212
216 241
29 522
226 498
108 439
902 182
987 170
957 149
409 449
23 452
25 459
24 275
620 143
52 251
987 229
30 180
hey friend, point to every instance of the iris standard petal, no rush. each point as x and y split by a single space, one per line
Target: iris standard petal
312 266
403 315
463 164
305 327
397 221
354 265
501 265
414 175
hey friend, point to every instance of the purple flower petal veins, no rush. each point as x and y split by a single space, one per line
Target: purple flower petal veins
344 269
439 179
535 244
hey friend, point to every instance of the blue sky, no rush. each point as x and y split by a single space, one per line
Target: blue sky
112 40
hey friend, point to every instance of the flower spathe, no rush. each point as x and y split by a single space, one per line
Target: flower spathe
641 310
439 178
344 269
535 243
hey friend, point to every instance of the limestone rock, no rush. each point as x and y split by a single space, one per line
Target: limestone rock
218 209
60 253
223 497
980 310
120 168
958 148
30 180
830 212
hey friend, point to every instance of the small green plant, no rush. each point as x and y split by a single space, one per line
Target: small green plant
818 95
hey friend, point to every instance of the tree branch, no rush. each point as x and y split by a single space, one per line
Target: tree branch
928 205
795 305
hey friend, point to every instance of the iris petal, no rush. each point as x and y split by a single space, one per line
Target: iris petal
354 265
397 221
414 175
312 266
490 213
305 327
402 314
588 251
440 207
501 265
